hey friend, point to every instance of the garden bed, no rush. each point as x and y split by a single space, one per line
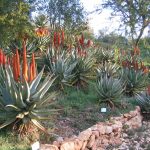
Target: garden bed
101 135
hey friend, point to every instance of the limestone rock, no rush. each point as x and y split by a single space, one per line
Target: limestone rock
48 147
85 135
68 146
91 141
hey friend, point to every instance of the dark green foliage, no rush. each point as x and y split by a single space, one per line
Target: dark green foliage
14 21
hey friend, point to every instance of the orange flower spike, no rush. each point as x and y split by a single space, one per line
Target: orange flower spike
55 39
58 39
62 37
15 73
146 70
33 66
136 66
18 62
4 59
0 56
25 66
31 72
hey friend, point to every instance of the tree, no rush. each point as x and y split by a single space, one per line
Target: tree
68 14
14 21
111 40
134 14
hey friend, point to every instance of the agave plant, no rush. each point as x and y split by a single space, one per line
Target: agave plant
135 80
107 69
143 99
23 98
109 91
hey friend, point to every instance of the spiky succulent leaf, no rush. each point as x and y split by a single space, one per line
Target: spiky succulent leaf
135 80
143 100
109 90
18 100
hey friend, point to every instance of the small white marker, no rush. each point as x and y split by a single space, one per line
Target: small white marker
103 110
35 146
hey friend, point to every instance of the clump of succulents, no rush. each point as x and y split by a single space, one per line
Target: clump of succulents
61 67
110 91
104 55
143 99
23 97
107 69
134 74
135 81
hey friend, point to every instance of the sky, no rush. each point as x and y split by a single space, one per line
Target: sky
101 21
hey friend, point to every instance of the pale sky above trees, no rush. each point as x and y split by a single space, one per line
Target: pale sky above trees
102 21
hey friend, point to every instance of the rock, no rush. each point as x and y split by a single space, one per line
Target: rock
105 141
78 144
124 135
85 135
48 147
94 127
138 109
133 113
108 130
101 129
91 141
68 146
60 139
96 133
84 145
117 127
56 143
127 115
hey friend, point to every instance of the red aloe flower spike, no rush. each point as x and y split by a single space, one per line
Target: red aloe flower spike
55 39
4 59
33 66
31 72
62 37
136 65
25 65
1 58
18 62
58 39
146 70
89 43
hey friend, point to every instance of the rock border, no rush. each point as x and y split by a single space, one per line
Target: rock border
99 136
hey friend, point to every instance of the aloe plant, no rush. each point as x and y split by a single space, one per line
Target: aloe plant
135 80
107 69
109 91
83 69
103 55
23 103
62 68
143 99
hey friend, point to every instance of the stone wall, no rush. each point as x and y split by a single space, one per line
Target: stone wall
100 135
